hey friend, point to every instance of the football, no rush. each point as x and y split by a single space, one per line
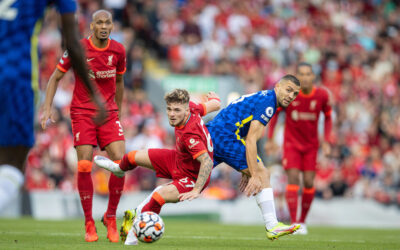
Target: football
148 227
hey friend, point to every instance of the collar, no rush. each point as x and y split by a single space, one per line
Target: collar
96 48
311 94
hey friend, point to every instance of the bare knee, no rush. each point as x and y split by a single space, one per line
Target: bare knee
293 176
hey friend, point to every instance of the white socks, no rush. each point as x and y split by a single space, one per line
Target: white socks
11 180
265 200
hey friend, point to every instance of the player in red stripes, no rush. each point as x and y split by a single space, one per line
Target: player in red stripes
188 165
301 141
106 60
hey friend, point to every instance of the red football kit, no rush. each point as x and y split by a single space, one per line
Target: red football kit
180 164
301 142
104 65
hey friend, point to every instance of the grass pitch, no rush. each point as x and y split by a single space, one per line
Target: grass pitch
27 233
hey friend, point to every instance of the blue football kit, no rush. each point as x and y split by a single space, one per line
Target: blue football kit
20 23
230 127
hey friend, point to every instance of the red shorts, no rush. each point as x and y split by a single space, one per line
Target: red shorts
86 132
163 161
302 160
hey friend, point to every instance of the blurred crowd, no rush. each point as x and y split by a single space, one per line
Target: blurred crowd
353 46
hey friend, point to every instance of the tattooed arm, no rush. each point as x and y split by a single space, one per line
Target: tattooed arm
204 172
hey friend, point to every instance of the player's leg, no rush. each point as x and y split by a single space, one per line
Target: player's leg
129 162
309 168
163 194
85 188
12 160
308 194
16 138
84 131
235 156
292 160
163 162
266 203
115 151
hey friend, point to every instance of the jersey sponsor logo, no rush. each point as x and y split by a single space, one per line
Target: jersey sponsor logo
193 143
110 58
89 59
91 74
269 111
266 119
106 74
303 116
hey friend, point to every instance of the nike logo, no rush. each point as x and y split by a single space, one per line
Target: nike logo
89 59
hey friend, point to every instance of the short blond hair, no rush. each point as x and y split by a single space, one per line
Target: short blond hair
177 96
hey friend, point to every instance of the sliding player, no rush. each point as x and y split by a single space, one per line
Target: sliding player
188 165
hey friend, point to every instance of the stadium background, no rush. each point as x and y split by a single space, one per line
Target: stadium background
236 47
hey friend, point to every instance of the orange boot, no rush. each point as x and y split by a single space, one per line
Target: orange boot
91 234
111 224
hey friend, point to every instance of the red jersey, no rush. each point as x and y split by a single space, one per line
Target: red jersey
192 140
301 125
104 65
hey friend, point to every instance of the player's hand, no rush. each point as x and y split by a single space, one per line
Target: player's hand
211 95
326 149
101 112
254 186
189 195
47 117
243 182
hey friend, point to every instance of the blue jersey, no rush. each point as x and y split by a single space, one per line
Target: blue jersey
20 23
232 124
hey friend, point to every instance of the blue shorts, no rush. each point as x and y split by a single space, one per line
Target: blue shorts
16 115
228 149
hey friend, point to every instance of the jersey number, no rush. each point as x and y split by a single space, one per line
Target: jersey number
7 12
120 130
208 137
187 183
240 99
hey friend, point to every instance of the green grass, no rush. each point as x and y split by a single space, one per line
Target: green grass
27 233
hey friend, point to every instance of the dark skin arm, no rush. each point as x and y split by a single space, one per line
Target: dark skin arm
119 92
76 53
204 172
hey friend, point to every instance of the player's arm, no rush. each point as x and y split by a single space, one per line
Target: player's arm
50 92
256 180
213 102
272 124
119 92
327 109
206 165
76 54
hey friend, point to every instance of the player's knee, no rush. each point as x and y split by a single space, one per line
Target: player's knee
84 166
308 184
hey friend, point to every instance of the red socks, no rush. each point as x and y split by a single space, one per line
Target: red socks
155 203
292 200
85 187
115 187
128 161
306 200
